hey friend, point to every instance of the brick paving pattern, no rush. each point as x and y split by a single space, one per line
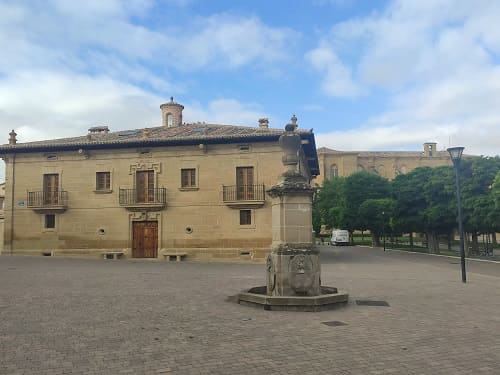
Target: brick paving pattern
89 316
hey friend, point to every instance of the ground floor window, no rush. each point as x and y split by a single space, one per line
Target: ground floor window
50 221
245 217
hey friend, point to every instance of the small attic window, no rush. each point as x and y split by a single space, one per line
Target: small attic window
51 156
244 148
128 133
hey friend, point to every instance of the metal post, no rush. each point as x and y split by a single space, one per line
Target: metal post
456 155
460 227
383 227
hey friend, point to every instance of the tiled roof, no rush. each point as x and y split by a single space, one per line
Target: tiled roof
161 133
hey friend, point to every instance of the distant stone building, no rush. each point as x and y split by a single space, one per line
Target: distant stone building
196 189
333 163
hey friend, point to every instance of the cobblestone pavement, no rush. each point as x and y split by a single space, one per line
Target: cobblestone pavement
83 316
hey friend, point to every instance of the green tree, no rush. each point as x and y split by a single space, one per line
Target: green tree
358 188
329 202
409 201
375 215
440 213
478 201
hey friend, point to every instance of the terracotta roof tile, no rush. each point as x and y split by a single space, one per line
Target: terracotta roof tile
196 131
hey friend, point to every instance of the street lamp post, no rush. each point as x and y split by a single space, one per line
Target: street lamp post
456 156
383 227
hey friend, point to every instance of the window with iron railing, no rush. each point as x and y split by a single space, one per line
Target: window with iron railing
243 193
133 197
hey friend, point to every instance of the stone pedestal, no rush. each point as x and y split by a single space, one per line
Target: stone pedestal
293 273
293 265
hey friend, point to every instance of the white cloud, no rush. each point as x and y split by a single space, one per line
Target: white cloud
45 105
225 111
437 65
85 63
337 77
223 41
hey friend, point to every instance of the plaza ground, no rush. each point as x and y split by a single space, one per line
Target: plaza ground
94 316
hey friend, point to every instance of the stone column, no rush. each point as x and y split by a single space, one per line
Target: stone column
293 267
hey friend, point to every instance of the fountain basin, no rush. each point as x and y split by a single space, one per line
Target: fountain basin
329 298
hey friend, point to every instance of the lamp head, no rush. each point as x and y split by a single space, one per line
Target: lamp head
455 154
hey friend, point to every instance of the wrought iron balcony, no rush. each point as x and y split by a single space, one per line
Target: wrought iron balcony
244 195
48 200
140 199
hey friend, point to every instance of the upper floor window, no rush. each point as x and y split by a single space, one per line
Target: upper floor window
170 120
103 181
188 178
50 188
244 183
145 186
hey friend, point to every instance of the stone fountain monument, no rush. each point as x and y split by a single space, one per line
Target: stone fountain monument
293 265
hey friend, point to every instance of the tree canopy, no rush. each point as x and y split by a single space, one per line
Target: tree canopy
423 200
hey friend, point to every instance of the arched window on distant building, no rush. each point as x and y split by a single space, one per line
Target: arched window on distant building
381 170
334 171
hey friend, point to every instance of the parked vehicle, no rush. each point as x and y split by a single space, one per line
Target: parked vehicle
340 237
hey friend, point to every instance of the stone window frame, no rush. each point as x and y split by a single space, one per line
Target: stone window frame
104 190
145 166
44 218
196 178
251 224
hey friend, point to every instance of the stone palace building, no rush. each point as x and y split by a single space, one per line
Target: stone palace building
193 189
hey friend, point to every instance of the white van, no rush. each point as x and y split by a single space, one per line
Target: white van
340 237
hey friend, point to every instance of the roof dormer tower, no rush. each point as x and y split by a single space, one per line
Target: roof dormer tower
171 113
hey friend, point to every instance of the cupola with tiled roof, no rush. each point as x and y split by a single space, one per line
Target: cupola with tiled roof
171 113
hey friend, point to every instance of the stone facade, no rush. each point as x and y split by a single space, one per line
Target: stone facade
387 164
197 189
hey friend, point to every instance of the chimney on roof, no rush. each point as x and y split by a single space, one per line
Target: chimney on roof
12 137
264 123
171 113
99 130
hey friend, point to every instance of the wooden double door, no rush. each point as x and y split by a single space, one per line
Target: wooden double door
144 239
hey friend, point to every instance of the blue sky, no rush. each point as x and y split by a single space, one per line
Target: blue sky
365 75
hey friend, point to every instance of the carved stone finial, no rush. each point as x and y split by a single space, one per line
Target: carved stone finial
12 137
290 144
294 120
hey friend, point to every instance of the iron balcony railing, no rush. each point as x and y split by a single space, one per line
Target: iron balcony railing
47 199
135 197
247 193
